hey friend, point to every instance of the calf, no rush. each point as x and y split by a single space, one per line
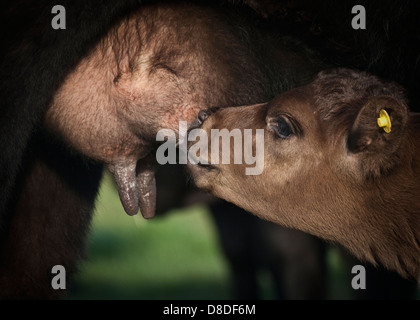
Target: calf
341 161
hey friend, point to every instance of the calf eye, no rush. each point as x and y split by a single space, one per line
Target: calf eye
281 127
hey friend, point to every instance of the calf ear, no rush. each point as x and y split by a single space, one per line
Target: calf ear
376 141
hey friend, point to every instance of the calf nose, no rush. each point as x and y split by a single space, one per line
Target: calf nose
202 115
205 113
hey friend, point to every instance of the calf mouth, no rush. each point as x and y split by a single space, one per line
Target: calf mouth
198 165
207 166
197 162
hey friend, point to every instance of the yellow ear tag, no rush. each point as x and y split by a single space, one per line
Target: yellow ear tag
384 121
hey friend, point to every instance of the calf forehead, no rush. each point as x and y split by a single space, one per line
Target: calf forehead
296 103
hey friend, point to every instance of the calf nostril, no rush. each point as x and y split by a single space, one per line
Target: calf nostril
202 115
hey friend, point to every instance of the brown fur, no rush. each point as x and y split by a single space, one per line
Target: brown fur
339 176
148 73
141 65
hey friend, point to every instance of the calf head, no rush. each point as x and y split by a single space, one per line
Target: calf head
341 161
